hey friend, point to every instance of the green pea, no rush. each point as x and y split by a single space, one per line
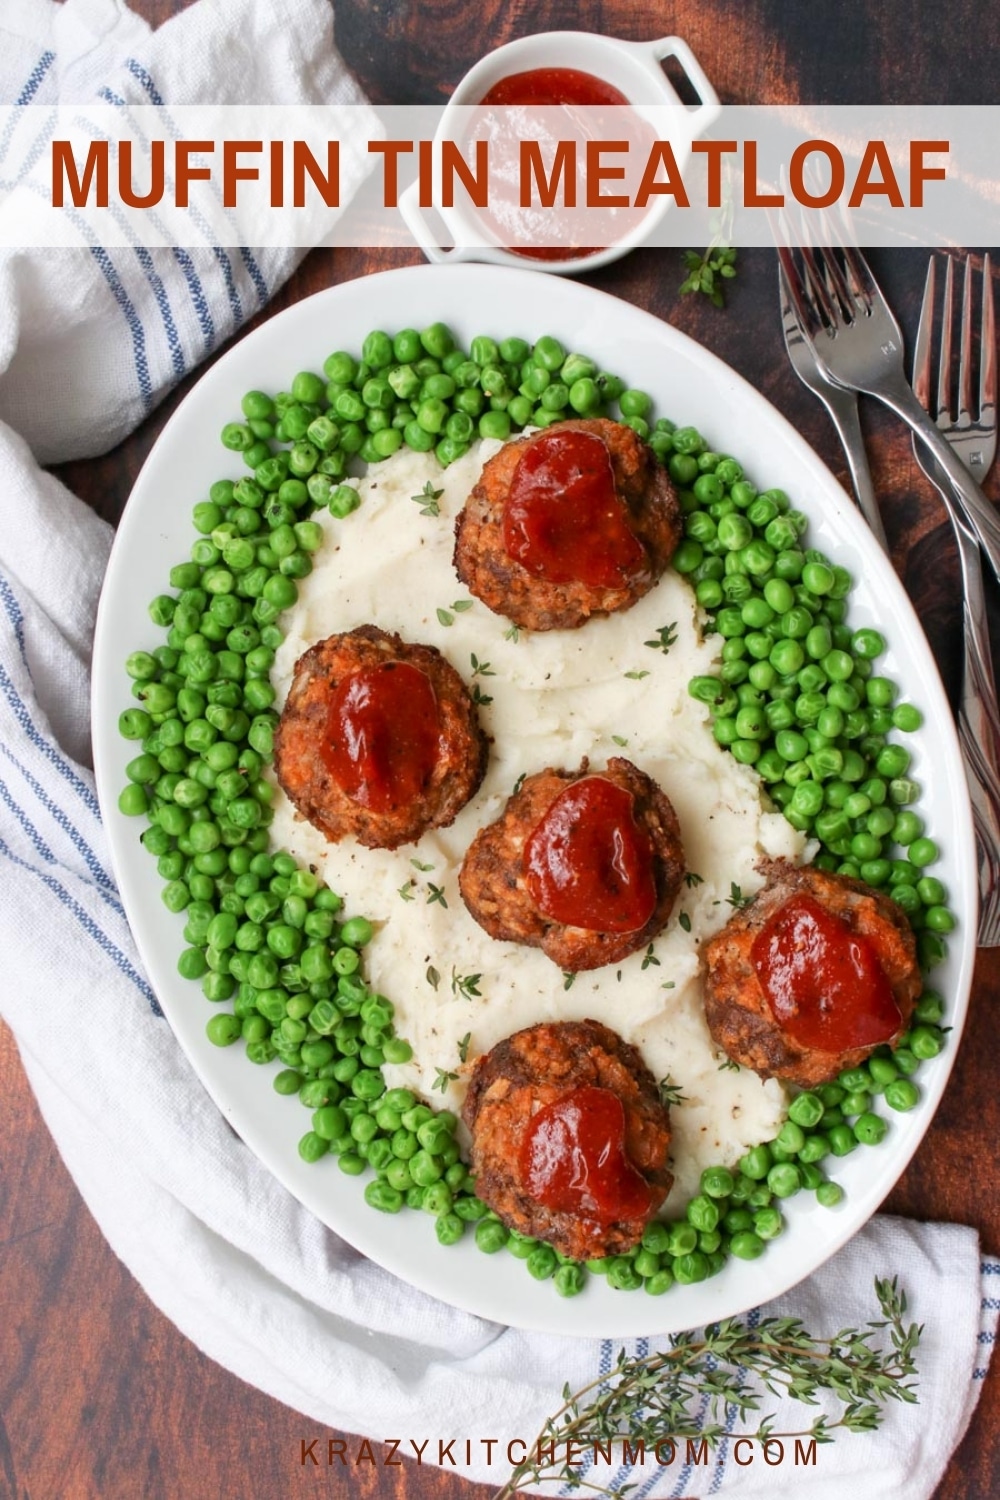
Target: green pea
842 1139
901 1095
746 1245
768 1223
703 1213
491 1236
870 1128
783 1179
816 1147
922 851
622 1275
829 1194
756 1163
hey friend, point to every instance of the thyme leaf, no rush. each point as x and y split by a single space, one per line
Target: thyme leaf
428 500
666 637
466 985
670 1093
442 1080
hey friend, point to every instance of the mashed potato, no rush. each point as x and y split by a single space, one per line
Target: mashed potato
547 700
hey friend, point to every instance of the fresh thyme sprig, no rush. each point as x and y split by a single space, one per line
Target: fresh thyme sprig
707 273
658 1398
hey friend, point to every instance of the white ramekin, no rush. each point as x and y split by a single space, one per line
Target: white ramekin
634 68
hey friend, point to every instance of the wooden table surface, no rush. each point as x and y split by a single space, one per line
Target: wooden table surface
100 1397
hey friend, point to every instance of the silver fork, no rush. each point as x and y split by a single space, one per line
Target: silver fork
974 440
841 404
857 344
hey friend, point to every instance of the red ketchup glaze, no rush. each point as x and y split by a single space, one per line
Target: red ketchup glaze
823 982
573 1158
383 733
543 86
588 863
564 520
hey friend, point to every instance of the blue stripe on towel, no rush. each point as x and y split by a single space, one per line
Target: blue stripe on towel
14 615
256 276
60 816
198 299
25 97
145 260
232 291
139 72
38 72
133 320
63 766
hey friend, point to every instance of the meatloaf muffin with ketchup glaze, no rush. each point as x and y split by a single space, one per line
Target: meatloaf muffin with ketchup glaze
569 1137
576 520
584 865
811 976
378 739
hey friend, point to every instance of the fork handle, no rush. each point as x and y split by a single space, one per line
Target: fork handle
983 518
843 408
979 729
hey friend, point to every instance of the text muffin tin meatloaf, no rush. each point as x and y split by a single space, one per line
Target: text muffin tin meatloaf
379 739
569 1137
574 521
585 866
810 977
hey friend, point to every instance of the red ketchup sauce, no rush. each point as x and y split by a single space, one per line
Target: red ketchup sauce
573 1158
553 86
564 520
383 733
588 862
540 87
823 982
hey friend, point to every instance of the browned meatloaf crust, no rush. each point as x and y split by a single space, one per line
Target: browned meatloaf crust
457 773
494 885
736 1007
486 569
535 1068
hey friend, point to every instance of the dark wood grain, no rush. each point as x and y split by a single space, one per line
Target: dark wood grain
100 1397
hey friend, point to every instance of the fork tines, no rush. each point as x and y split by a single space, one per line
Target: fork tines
959 416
